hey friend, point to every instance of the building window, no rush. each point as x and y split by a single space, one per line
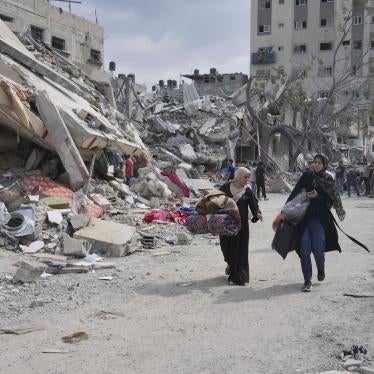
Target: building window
372 19
357 20
281 1
232 77
323 94
346 42
325 71
5 18
327 1
372 44
58 43
37 33
280 25
301 2
300 25
95 55
264 4
357 44
326 22
263 28
325 46
280 48
300 48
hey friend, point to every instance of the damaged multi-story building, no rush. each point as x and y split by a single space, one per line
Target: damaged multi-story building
76 38
303 37
215 83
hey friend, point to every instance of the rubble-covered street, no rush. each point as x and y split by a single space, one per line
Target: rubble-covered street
119 198
170 308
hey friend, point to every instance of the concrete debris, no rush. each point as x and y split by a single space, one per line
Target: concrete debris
33 247
29 271
114 239
79 221
75 247
62 140
55 217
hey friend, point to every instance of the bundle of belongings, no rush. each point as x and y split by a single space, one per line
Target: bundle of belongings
285 222
216 213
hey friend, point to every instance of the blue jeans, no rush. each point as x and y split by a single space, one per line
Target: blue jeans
313 240
339 184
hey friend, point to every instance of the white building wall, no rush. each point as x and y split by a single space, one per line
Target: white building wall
80 35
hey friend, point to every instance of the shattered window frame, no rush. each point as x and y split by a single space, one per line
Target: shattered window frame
37 33
58 43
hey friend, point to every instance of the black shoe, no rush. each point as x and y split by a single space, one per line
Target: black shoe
307 286
321 274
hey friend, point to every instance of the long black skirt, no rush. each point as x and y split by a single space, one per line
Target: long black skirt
235 253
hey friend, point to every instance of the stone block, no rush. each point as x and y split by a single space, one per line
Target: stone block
79 221
75 247
116 239
29 271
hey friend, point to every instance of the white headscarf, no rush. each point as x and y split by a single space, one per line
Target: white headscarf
237 192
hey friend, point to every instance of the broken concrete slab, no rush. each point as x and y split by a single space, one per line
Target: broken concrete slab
101 201
29 271
75 247
54 217
115 238
34 247
187 152
79 221
10 45
60 136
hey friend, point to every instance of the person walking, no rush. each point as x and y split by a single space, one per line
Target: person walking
235 249
230 170
252 178
339 177
352 182
316 232
365 176
129 166
260 180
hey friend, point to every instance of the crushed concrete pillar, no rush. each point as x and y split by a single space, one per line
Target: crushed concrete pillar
62 140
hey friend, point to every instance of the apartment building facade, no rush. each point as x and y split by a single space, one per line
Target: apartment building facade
302 37
78 39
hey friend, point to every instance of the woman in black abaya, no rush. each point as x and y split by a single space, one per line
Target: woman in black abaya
235 249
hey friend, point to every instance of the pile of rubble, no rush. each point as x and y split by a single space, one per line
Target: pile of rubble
61 200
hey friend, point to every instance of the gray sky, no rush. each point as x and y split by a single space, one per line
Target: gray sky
159 39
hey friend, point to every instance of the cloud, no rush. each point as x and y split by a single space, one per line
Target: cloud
161 39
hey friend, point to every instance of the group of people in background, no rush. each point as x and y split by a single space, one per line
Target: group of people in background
360 177
256 179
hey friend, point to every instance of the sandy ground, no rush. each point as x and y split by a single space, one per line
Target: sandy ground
179 315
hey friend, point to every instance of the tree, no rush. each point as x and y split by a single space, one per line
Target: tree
306 118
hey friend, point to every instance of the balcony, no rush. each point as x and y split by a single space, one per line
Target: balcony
263 57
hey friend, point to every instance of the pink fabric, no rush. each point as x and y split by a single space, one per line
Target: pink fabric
176 180
166 215
49 188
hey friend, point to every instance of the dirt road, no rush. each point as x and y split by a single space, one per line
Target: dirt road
178 315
